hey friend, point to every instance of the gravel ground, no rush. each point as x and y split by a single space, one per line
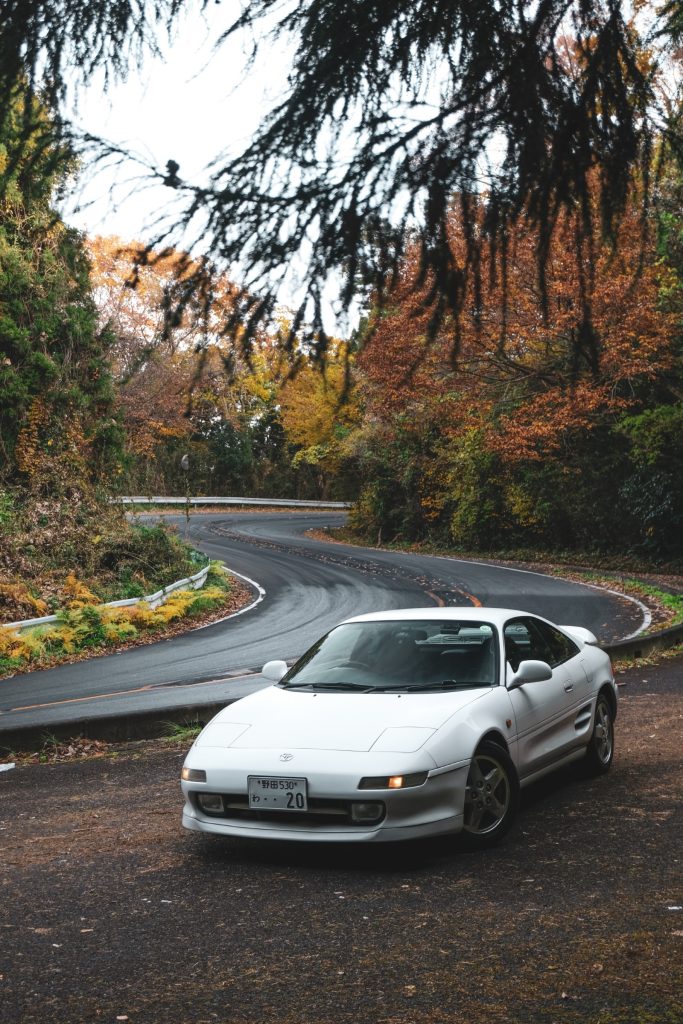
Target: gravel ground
110 912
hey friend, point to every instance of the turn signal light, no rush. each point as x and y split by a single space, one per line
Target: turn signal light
393 781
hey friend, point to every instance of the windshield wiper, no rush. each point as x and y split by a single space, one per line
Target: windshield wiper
337 685
445 684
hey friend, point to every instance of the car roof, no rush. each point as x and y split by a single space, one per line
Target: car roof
496 616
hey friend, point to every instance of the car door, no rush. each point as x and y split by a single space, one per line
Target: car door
546 712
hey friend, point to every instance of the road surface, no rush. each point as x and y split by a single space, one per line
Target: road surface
307 586
110 912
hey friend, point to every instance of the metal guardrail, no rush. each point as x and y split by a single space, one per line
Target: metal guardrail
278 502
153 600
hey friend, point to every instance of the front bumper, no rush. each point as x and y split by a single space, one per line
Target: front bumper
434 808
382 833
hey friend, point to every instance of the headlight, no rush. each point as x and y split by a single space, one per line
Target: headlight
193 774
393 781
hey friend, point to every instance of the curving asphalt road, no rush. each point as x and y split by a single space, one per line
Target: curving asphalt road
307 586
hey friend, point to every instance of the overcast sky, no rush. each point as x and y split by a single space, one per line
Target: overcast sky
187 106
190 106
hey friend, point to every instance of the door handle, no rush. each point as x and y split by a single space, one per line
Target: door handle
568 687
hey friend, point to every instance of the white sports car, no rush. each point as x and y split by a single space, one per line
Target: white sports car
404 724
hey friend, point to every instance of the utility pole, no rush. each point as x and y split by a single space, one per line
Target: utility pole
185 466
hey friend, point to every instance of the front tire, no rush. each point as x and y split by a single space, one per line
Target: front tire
600 750
491 796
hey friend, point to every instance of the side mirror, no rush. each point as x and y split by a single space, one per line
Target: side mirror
274 670
530 672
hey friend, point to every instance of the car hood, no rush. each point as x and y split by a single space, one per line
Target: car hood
294 720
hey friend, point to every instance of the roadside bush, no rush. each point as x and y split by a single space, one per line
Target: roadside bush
95 627
120 631
49 558
87 626
143 617
76 594
17 600
142 559
12 645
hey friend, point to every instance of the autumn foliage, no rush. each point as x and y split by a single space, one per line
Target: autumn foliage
497 432
248 424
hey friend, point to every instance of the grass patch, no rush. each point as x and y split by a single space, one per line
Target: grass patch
673 602
667 607
185 732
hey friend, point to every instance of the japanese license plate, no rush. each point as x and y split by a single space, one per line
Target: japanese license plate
275 794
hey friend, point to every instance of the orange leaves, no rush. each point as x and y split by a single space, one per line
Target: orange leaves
517 439
12 646
75 594
544 423
530 373
17 602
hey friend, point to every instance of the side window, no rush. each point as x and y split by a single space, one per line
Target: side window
559 647
518 643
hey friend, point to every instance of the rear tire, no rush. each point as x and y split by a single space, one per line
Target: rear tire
491 796
600 750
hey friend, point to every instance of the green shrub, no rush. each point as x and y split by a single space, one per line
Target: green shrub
145 558
117 632
86 625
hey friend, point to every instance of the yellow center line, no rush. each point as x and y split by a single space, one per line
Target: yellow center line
77 700
121 693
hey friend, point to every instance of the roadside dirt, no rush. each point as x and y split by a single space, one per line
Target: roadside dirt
110 912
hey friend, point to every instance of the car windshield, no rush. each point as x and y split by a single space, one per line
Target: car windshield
399 656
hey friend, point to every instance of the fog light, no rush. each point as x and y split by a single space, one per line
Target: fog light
367 813
193 774
212 803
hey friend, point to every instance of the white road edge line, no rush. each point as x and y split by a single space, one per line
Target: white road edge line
247 608
647 615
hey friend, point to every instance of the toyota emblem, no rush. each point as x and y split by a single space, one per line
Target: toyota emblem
286 757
